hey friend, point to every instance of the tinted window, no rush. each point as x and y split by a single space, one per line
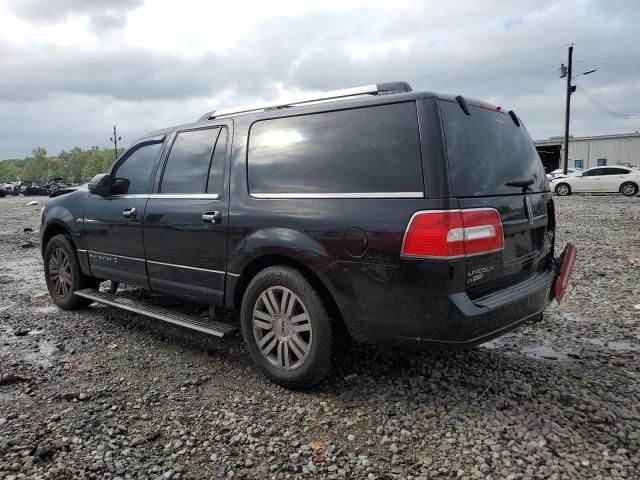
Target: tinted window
216 172
137 168
595 172
365 150
188 163
616 171
486 150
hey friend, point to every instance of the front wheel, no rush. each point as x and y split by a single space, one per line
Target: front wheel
63 275
287 328
563 189
629 189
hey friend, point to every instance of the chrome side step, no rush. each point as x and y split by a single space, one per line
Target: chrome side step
203 325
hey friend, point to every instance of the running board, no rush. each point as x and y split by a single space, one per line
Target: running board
200 324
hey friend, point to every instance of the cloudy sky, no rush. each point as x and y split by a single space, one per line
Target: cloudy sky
70 69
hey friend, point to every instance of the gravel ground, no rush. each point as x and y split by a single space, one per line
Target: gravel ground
116 395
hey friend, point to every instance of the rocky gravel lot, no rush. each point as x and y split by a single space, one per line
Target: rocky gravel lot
114 395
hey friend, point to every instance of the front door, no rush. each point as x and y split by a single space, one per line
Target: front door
113 223
589 181
186 219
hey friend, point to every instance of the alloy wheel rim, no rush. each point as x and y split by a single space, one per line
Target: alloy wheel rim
282 328
628 189
562 190
60 272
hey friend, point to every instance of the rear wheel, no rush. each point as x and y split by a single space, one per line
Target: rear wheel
629 189
63 275
287 328
563 189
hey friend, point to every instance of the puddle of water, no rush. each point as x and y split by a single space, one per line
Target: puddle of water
539 351
49 309
615 345
572 317
43 355
544 351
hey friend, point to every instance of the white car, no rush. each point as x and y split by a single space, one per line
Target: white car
558 172
599 180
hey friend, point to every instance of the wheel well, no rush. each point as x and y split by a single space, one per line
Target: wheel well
259 264
628 181
562 183
51 231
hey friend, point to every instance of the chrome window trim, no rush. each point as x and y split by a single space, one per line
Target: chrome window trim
213 196
184 266
114 255
340 195
204 196
125 195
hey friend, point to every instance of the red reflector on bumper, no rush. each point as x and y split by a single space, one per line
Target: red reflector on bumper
569 260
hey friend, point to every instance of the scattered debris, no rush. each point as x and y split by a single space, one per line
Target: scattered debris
27 244
9 378
22 332
112 346
27 229
33 202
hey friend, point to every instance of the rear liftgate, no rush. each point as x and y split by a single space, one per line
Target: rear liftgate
193 322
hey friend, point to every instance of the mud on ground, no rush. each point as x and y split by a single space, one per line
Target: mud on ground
115 395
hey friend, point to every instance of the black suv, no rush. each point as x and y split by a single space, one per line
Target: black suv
374 214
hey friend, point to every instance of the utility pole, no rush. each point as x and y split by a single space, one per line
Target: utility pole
115 139
570 89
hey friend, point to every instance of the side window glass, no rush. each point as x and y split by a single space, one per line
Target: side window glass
188 163
216 171
617 171
137 168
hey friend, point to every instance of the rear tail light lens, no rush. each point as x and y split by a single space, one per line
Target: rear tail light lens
453 233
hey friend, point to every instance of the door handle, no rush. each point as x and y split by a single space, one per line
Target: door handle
211 217
129 213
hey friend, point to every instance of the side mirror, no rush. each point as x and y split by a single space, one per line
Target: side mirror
100 184
120 186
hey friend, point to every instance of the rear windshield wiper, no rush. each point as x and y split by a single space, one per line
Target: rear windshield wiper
524 184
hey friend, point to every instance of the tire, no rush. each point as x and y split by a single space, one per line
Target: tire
63 275
300 353
563 189
629 189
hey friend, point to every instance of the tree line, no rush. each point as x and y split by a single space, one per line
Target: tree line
72 166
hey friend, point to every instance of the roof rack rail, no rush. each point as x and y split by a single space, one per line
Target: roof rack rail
374 89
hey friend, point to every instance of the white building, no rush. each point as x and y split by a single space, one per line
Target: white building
587 152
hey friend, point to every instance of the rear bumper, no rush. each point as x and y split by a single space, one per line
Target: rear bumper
413 305
465 323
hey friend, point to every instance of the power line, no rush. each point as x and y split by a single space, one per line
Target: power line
602 107
502 59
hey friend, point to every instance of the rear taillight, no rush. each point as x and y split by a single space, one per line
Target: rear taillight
453 233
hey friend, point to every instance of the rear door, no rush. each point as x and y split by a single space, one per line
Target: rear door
614 177
494 164
186 219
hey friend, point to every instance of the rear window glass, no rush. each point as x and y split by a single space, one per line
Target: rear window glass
361 151
486 150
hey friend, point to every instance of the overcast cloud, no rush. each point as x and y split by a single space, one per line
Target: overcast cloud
71 69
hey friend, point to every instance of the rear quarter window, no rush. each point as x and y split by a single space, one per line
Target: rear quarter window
365 151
